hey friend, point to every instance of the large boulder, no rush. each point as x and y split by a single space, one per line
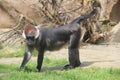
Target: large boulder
115 11
10 11
115 34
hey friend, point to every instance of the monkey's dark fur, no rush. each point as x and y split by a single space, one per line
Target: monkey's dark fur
54 39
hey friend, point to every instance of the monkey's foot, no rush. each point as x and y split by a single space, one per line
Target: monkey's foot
68 66
78 64
38 69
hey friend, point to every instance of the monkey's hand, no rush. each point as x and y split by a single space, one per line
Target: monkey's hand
21 68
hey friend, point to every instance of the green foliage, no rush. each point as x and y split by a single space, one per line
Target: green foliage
11 52
14 52
90 0
1 47
49 72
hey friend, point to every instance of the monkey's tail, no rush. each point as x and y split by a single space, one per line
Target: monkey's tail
83 17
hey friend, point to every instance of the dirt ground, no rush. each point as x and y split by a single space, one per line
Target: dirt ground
103 55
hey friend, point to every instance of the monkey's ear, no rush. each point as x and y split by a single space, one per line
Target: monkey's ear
37 33
23 34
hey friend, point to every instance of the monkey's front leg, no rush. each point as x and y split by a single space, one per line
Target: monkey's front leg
27 56
40 59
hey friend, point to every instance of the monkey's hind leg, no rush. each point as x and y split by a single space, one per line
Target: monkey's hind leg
73 51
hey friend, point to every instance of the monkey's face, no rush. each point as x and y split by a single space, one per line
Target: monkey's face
30 38
30 33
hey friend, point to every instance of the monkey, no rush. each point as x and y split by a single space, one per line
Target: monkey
47 38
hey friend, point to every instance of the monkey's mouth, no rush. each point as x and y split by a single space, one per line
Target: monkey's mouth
30 43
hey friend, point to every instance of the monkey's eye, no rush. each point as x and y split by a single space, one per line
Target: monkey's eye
30 38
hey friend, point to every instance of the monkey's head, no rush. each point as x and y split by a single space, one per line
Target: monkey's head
30 33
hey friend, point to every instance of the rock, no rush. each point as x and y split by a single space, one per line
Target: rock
115 34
